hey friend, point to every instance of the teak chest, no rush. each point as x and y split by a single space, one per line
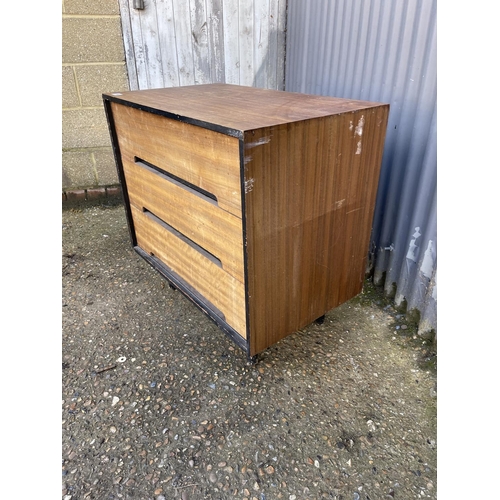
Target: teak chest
256 204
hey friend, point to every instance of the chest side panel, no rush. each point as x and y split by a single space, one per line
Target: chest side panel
310 190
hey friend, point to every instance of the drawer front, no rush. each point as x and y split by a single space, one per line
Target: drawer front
199 270
188 211
207 159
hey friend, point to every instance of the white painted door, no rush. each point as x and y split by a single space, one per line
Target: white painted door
171 43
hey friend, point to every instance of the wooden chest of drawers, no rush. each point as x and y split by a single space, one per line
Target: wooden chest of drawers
256 204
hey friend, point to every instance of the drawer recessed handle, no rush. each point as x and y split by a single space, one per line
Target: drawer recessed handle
211 257
188 186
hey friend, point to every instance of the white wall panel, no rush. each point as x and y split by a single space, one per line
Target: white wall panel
186 42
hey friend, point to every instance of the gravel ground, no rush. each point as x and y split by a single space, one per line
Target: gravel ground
158 403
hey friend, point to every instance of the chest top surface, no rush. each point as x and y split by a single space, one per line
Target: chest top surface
237 107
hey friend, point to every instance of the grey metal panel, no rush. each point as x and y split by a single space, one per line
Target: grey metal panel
383 50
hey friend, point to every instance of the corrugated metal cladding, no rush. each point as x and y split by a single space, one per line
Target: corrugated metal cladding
171 43
383 50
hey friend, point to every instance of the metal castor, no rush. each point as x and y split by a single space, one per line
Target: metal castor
320 320
252 360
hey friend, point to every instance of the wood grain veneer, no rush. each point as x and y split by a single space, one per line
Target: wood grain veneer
258 204
308 218
218 287
217 231
207 159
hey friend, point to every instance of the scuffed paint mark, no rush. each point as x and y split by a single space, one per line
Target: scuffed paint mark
339 203
354 210
359 132
412 250
249 185
428 261
260 142
351 125
247 159
359 126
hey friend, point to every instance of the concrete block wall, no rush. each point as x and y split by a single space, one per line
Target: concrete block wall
93 62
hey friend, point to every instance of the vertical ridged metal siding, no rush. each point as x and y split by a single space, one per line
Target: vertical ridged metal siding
383 50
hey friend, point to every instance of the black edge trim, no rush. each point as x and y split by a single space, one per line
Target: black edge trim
211 311
245 253
119 168
184 119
